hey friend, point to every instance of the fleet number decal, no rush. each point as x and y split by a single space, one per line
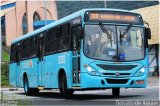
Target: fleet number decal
61 59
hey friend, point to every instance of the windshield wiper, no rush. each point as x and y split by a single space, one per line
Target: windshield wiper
120 35
126 30
124 33
106 32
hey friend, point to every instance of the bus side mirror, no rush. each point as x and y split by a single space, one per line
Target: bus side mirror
148 33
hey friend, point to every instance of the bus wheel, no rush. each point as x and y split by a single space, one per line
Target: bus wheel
29 91
115 92
67 93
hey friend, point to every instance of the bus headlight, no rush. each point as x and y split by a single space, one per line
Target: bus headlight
91 70
140 72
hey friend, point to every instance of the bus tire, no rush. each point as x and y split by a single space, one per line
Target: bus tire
35 91
115 92
29 91
67 93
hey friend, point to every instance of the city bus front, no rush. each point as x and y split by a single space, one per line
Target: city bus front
114 51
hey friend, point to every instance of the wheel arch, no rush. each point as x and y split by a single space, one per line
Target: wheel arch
24 75
60 73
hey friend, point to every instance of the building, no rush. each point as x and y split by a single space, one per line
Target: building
21 17
152 17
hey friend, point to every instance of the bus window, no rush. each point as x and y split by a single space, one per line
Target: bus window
13 53
41 46
65 29
48 35
25 50
64 37
33 47
51 41
53 33
76 34
18 52
34 41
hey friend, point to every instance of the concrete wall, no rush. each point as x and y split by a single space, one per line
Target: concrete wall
14 18
151 15
10 26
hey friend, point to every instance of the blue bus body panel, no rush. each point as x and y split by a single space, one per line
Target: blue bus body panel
30 67
52 65
13 74
90 81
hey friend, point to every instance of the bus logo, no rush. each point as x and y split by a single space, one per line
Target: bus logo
61 59
117 74
30 63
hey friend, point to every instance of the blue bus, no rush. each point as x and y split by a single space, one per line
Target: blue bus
87 50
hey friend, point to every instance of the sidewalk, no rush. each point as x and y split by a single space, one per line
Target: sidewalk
153 81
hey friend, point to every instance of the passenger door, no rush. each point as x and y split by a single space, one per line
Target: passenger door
40 53
76 43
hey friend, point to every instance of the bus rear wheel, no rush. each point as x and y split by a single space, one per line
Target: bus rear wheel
67 93
29 91
115 92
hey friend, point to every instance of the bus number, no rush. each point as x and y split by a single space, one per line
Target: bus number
61 59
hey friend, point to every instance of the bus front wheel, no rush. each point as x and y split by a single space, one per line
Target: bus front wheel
67 93
29 91
115 92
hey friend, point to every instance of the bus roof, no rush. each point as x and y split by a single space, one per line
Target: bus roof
65 19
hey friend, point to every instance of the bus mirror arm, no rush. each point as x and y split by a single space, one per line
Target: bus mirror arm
147 30
148 33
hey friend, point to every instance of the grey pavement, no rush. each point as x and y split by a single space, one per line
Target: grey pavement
94 97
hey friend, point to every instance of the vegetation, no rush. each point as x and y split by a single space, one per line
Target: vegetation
4 74
5 56
4 80
5 66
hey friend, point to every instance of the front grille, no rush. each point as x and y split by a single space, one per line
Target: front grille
117 81
124 73
108 74
114 73
116 67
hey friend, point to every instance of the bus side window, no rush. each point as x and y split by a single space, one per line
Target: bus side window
76 37
18 52
47 47
25 47
28 44
64 37
48 36
41 46
33 48
51 41
53 33
13 53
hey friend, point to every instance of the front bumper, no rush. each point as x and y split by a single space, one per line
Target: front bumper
89 82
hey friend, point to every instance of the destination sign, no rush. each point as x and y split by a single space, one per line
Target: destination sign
113 17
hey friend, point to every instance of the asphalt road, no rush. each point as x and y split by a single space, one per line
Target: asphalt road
128 97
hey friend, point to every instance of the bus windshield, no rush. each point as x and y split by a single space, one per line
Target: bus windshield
114 43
